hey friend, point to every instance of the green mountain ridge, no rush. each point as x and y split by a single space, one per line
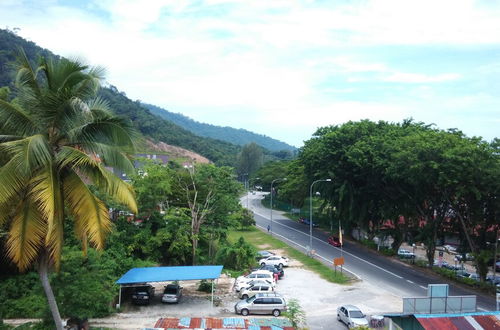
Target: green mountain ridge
224 133
149 125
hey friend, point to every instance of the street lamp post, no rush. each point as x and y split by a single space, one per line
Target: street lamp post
311 212
272 182
495 260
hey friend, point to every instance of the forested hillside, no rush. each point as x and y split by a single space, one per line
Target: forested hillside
151 126
229 134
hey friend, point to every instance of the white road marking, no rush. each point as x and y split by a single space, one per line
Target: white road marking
410 281
482 309
327 260
345 252
423 287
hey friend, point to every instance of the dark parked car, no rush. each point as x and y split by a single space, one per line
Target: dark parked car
143 294
306 221
275 269
335 241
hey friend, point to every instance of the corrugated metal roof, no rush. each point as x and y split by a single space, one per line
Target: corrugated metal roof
224 323
467 321
177 273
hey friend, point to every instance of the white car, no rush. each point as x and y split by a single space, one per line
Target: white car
245 285
253 290
351 316
262 275
275 261
405 254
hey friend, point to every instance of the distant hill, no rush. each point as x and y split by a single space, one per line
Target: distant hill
148 124
229 134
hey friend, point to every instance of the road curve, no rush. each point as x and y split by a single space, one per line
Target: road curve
399 278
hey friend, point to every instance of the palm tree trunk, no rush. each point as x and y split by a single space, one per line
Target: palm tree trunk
43 272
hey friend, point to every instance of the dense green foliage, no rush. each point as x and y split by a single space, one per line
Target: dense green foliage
237 136
161 235
408 180
84 286
239 255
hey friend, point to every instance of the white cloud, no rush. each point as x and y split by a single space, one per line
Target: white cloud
258 64
421 78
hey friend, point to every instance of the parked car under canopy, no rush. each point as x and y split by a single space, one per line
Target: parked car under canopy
146 275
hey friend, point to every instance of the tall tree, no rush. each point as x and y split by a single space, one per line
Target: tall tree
55 138
211 195
250 159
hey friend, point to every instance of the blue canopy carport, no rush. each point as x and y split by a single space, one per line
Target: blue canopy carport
163 274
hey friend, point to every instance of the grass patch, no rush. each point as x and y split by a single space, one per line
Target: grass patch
258 239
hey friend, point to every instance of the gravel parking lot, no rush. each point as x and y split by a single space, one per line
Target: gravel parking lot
318 298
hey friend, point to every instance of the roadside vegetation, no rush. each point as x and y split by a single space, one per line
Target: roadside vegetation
408 181
258 238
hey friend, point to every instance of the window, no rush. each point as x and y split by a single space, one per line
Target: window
259 301
277 301
255 288
265 288
356 314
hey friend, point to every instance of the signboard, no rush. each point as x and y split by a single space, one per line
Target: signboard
437 290
338 261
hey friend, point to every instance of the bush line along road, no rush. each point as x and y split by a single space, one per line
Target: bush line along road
398 278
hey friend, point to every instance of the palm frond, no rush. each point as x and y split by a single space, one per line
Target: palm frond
99 105
46 192
107 130
29 154
90 214
13 120
120 190
100 176
7 138
113 157
26 75
12 181
26 235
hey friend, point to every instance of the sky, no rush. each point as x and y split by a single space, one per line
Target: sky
284 68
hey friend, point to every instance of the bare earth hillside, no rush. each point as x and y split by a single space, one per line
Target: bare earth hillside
176 151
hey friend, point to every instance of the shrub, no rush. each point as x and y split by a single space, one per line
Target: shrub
205 286
388 251
295 314
369 243
238 256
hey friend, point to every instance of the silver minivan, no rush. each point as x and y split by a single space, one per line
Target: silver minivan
262 303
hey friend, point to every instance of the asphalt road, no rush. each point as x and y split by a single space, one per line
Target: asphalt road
397 277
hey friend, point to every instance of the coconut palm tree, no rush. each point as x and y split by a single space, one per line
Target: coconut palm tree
56 138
